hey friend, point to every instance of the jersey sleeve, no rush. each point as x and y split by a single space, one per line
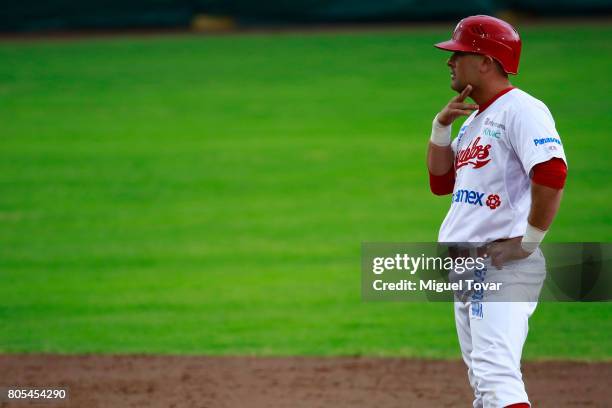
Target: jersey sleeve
534 137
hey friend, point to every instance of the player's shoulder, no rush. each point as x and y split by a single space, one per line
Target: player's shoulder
519 101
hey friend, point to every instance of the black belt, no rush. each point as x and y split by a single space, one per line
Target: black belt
478 252
463 252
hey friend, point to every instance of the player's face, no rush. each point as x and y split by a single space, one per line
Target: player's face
465 70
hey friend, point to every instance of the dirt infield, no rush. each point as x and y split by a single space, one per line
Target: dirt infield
168 381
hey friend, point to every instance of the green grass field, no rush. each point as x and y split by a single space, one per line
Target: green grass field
210 195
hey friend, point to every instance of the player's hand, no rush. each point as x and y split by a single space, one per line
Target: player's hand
457 107
502 252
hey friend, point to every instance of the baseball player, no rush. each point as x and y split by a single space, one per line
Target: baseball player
506 170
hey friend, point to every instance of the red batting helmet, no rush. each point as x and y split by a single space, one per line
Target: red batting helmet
488 36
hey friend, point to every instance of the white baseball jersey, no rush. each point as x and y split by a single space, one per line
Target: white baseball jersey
495 151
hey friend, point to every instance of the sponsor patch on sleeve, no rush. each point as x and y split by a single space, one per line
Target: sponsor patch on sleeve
546 140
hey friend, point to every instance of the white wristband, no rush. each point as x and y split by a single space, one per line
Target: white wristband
440 134
532 238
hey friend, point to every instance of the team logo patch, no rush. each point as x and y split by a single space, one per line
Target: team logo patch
475 155
493 201
476 198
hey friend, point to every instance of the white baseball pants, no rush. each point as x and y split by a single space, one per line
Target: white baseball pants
492 335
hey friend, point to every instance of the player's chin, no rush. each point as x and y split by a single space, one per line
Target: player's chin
456 85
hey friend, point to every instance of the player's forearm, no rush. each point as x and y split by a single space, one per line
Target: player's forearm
439 159
545 203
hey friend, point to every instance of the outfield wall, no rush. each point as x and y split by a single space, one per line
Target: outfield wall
41 15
